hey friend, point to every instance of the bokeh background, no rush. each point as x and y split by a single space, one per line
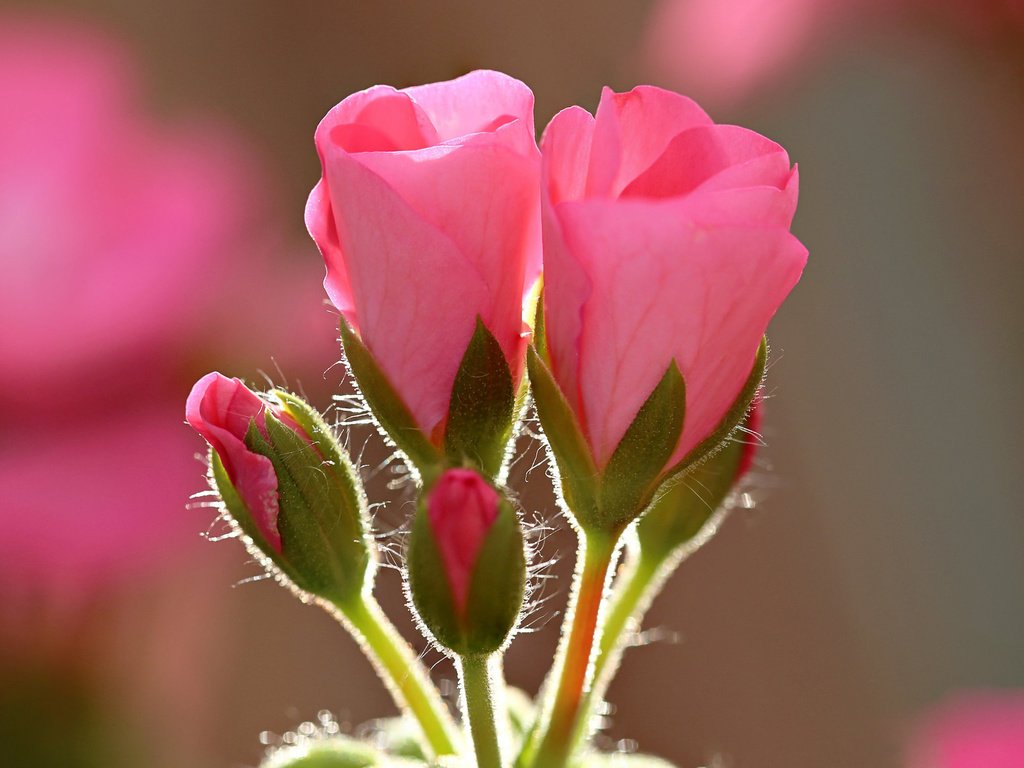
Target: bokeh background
154 165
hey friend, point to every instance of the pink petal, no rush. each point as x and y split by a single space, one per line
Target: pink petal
566 147
474 102
415 294
632 130
496 228
461 509
726 154
665 288
221 409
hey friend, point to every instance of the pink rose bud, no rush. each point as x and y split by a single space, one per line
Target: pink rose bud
666 252
466 563
975 730
428 218
286 485
222 411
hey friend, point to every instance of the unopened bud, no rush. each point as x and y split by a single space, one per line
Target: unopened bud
467 566
286 484
682 511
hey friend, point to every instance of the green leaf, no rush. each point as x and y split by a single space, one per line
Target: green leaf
482 406
732 419
388 407
577 472
632 474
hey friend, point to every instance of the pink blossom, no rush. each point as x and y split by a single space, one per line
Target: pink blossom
666 237
976 730
427 216
461 508
221 410
114 229
725 51
122 241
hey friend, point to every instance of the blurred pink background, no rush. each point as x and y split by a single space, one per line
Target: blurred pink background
154 163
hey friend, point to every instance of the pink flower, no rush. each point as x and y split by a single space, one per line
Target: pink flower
120 236
221 410
979 730
116 232
427 215
725 51
461 508
666 237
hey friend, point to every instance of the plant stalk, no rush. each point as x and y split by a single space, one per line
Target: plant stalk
552 747
402 672
481 704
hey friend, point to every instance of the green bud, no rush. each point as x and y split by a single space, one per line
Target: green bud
466 564
288 486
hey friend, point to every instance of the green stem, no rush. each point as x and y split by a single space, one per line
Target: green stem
638 582
478 675
553 747
402 672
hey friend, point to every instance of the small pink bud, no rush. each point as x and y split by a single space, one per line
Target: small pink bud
461 508
221 409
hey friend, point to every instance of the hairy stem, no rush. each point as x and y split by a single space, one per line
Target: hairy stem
552 743
402 672
481 701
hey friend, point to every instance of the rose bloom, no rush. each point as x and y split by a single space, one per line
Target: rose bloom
427 216
666 237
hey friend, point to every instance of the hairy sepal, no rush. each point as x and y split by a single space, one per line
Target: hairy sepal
482 408
496 591
322 515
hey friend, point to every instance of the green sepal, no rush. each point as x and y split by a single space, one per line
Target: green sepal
321 516
632 474
334 752
540 337
732 419
390 410
255 541
682 508
427 584
482 406
497 586
577 472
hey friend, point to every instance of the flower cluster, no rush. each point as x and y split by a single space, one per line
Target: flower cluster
665 248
